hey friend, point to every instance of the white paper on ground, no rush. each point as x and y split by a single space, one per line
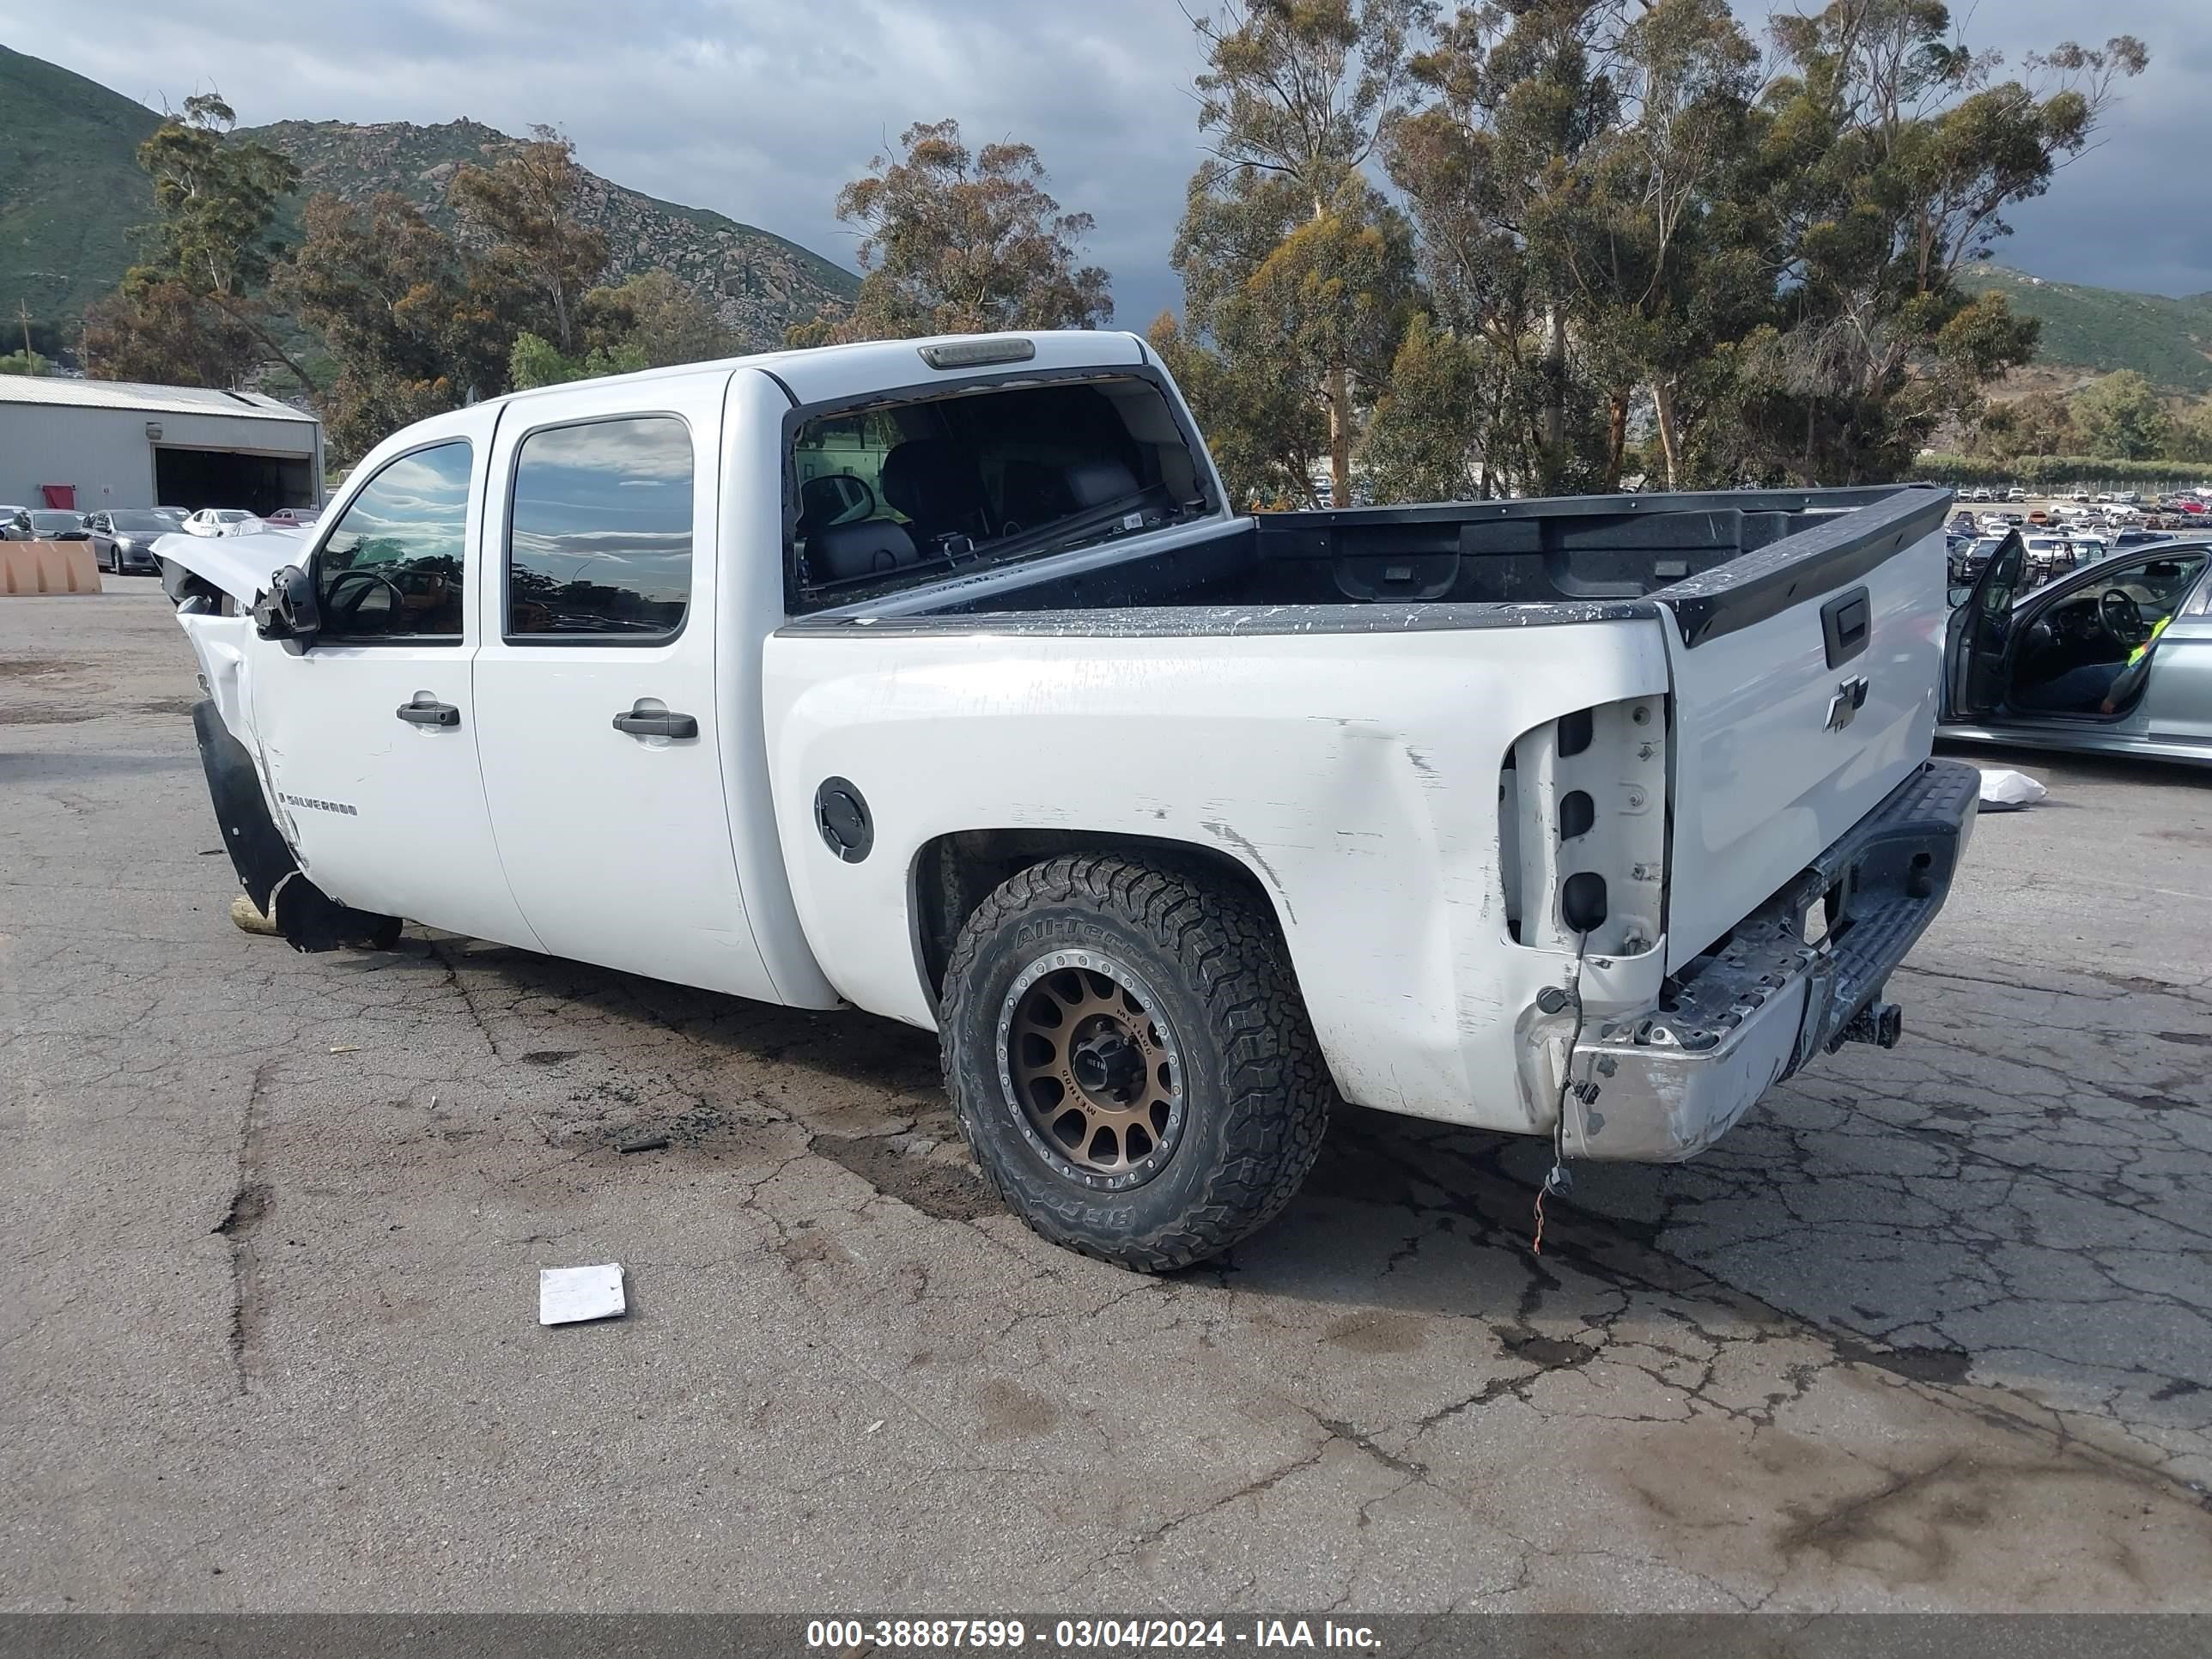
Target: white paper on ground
566 1295
2004 789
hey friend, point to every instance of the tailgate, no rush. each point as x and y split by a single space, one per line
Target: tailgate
1805 676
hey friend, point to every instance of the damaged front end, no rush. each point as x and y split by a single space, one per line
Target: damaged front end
213 587
211 584
306 917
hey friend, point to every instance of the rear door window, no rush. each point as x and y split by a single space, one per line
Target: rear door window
599 539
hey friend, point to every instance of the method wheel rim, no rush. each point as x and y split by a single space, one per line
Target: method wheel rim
1092 1070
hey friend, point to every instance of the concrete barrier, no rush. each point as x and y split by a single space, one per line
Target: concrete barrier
32 568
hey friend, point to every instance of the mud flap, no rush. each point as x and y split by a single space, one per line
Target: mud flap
308 918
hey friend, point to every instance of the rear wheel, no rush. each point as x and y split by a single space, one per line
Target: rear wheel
1130 1060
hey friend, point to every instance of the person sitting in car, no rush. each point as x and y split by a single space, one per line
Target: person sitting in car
2146 606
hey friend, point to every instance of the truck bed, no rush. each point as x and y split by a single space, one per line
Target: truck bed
1718 562
1801 633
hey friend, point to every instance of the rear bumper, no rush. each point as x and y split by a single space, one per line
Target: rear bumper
1666 1085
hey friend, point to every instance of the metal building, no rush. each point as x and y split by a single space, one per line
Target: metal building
115 444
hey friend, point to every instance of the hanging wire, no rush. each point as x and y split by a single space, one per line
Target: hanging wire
1556 1176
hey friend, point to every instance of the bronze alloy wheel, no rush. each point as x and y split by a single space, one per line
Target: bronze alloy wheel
1095 1077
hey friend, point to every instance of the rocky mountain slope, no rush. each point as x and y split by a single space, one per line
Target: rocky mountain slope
756 281
70 195
72 201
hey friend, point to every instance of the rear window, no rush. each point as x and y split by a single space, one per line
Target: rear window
893 494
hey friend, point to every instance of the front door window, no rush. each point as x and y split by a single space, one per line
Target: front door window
391 569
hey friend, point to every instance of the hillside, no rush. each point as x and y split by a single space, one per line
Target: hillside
2169 342
70 192
71 198
757 281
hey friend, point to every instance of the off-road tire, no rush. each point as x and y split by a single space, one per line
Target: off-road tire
1255 1093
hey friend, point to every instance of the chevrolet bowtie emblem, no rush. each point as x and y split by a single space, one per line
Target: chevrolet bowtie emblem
1843 708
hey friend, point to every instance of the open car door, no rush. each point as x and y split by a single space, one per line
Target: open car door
1980 636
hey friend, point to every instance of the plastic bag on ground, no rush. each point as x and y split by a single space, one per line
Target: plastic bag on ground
2006 791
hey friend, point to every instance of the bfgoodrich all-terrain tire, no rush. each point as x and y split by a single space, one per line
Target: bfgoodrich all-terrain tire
1131 1060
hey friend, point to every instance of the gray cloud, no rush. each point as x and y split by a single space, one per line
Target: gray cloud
762 108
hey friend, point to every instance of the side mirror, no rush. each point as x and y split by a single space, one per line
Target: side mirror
287 609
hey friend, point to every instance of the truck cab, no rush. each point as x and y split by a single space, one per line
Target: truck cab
941 679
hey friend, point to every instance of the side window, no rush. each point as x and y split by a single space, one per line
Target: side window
2004 574
392 566
599 540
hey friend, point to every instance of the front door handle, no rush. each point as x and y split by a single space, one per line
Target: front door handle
423 709
656 723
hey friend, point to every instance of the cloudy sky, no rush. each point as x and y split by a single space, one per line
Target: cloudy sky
762 108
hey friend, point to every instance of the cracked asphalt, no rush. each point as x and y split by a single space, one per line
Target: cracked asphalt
1929 1331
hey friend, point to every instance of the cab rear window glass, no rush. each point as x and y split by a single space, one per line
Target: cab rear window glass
898 494
599 539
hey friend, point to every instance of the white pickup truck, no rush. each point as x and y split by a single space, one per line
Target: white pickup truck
938 677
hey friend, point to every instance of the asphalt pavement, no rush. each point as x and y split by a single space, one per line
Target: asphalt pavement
1930 1330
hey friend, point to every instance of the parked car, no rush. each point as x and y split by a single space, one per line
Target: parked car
58 524
1967 566
2115 659
14 524
221 521
2053 555
123 541
2016 494
1135 800
292 518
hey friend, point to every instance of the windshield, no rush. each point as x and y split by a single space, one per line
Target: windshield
50 521
153 521
898 494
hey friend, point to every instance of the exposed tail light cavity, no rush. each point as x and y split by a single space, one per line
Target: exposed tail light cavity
1581 820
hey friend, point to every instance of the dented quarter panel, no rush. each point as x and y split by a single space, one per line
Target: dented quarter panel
1355 776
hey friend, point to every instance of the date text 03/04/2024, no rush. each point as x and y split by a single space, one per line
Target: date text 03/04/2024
845 1634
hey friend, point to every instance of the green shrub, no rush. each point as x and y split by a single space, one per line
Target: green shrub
2050 472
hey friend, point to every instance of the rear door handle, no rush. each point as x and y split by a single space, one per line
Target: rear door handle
426 710
640 723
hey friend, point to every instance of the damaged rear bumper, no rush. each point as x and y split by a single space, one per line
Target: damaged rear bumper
1665 1086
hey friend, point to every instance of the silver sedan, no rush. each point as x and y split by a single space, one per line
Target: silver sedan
2115 659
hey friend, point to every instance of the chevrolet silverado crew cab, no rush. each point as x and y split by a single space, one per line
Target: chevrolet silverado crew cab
941 679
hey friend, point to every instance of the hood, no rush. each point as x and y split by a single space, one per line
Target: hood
239 565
